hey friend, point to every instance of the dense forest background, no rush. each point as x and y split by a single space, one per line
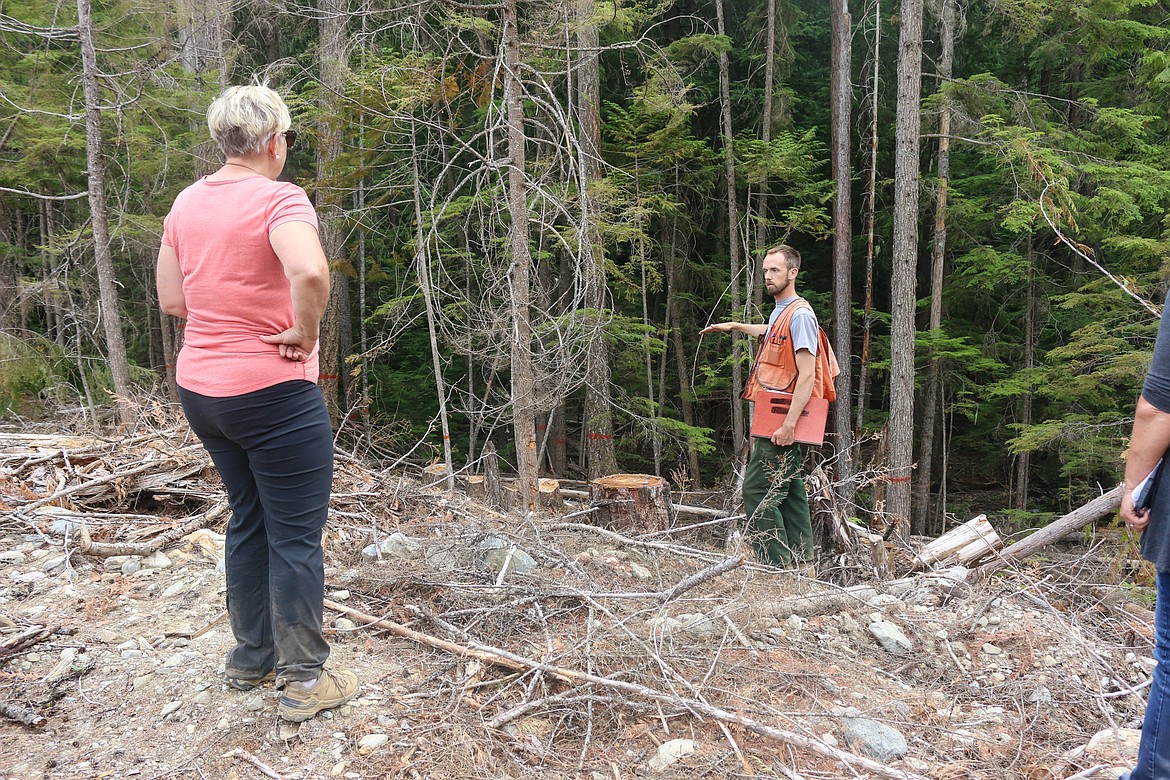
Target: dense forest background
532 208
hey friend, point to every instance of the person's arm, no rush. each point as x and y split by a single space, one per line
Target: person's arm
168 280
806 371
299 249
1148 442
739 327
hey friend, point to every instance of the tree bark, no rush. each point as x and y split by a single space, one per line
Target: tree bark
905 264
840 99
600 455
673 263
870 216
737 422
932 395
523 384
331 65
107 279
1023 459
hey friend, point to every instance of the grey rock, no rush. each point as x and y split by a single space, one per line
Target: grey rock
202 698
641 572
873 739
372 742
701 625
63 526
344 624
663 624
171 707
890 637
289 730
517 560
156 560
182 586
12 558
131 565
396 545
1040 696
671 753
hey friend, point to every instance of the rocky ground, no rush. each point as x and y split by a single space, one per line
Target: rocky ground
517 646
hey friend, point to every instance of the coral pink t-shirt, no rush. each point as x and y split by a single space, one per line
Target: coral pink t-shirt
234 284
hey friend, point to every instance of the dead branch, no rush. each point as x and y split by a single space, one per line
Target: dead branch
501 657
22 715
33 635
700 577
1071 523
244 755
148 466
106 550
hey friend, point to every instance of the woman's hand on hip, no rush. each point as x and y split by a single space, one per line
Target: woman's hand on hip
294 344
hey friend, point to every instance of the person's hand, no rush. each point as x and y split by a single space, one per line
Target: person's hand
784 435
294 344
718 327
1135 520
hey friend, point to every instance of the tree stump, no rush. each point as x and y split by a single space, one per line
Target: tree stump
637 502
496 497
477 486
549 495
435 473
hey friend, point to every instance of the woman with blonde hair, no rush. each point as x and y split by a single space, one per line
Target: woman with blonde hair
241 262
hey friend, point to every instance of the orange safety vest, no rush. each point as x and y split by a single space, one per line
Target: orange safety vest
775 363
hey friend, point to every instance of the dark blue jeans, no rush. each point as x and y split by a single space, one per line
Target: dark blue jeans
1154 753
274 450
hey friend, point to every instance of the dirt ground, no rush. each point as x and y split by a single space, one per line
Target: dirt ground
738 674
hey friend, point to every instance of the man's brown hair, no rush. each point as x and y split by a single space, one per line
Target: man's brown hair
791 256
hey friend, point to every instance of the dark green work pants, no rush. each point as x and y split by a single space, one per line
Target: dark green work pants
776 504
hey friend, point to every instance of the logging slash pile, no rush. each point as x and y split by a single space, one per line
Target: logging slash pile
495 644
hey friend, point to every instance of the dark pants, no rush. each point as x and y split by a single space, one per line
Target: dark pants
274 450
776 504
1153 762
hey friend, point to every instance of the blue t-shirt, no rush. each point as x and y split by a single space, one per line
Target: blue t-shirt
1156 538
803 328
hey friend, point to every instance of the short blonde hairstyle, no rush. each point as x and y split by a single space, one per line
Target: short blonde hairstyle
243 119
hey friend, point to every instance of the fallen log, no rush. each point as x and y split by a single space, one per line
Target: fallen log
1053 532
107 550
964 544
501 657
687 509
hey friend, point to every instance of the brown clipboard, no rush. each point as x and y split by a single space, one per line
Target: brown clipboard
772 408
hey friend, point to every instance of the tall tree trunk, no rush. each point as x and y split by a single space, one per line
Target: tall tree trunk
523 384
737 425
331 65
1023 460
424 282
680 356
754 284
870 213
840 100
932 397
107 280
905 264
601 458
